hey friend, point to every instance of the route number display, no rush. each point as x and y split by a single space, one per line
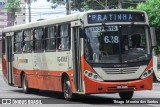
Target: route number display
111 39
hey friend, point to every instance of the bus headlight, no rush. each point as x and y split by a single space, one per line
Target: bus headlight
146 73
92 75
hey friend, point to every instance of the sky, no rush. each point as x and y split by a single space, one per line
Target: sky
42 10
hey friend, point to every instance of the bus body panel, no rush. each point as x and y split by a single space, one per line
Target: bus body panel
42 70
4 63
45 80
111 86
4 67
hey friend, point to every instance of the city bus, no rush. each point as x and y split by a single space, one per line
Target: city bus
100 51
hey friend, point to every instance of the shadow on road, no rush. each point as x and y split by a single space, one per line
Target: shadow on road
58 98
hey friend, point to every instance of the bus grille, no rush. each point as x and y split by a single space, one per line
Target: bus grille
128 70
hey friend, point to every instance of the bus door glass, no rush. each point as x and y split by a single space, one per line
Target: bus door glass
9 59
77 44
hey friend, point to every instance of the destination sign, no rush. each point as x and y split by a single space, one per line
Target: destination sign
116 17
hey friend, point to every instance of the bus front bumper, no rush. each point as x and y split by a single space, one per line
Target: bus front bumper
92 86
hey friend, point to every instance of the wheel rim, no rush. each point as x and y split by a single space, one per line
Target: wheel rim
67 90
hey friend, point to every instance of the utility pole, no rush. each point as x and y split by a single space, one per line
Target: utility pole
68 7
29 10
120 4
106 6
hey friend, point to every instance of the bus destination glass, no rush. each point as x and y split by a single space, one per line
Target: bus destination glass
116 17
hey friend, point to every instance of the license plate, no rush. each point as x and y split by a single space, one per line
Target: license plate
122 87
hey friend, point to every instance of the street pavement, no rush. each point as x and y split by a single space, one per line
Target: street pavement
100 100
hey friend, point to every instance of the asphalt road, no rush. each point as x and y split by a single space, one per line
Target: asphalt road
100 100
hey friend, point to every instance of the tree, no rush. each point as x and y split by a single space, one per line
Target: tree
100 4
12 7
152 8
96 4
28 2
86 4
128 3
70 4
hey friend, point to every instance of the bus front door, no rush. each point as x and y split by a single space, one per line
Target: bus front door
77 44
9 60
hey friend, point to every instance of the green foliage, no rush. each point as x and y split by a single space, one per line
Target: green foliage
13 5
29 1
88 4
152 8
157 50
101 4
92 4
59 2
64 2
97 4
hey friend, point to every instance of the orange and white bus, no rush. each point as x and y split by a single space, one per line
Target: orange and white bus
105 51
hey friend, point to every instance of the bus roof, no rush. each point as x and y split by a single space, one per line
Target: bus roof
67 18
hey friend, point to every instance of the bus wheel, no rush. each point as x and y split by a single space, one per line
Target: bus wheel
25 84
126 95
67 89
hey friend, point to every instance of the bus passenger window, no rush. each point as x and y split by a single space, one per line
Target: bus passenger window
27 41
25 44
64 39
39 42
51 38
18 42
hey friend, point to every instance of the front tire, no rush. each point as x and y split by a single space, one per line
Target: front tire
26 90
67 89
126 95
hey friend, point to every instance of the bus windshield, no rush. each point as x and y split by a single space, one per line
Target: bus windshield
116 44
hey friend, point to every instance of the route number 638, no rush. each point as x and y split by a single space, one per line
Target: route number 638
111 39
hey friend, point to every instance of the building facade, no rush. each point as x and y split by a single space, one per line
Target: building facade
3 15
20 17
6 18
3 20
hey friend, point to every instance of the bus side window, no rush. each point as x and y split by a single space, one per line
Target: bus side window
64 37
18 42
51 38
27 47
39 41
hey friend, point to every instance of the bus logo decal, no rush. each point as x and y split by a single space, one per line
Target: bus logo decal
23 60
